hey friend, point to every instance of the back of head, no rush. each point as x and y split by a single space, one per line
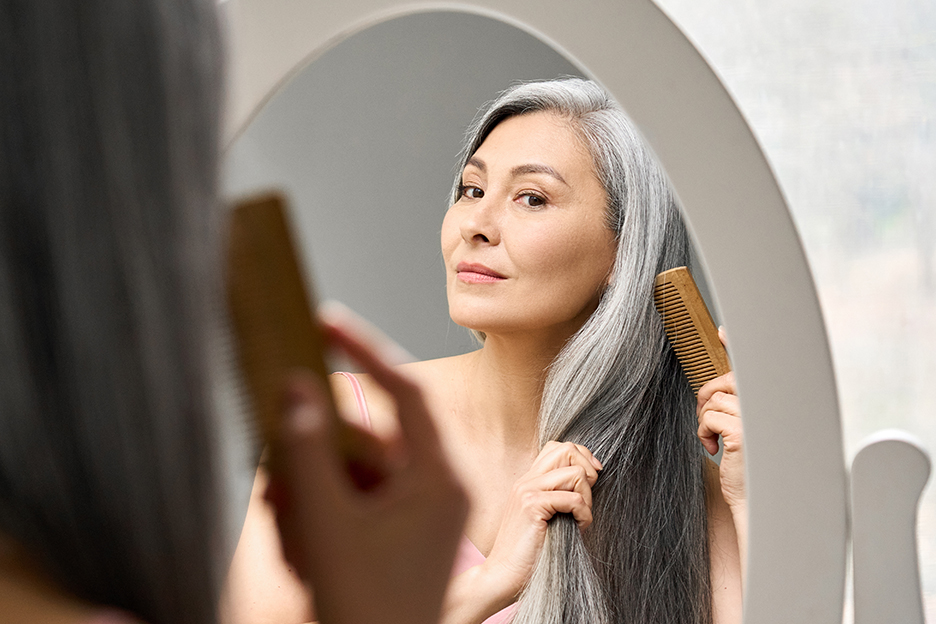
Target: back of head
109 115
616 388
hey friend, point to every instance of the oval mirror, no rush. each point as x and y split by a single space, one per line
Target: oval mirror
362 178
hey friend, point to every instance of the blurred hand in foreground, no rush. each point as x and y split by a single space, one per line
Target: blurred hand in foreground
373 533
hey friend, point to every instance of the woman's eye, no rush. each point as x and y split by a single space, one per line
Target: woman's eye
471 192
533 201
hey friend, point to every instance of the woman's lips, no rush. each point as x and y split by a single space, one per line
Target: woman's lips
477 274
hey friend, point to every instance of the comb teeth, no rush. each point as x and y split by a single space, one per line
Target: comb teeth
270 307
689 327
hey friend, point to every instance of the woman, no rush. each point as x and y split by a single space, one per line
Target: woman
574 430
109 133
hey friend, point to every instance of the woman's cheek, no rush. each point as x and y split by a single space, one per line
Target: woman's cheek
449 236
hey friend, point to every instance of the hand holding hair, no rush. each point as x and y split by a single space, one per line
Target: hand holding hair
559 481
381 553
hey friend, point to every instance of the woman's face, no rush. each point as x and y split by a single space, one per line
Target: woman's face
526 246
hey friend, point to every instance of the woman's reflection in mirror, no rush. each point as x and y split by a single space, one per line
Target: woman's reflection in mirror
573 428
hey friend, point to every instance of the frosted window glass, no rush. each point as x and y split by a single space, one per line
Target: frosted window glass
842 96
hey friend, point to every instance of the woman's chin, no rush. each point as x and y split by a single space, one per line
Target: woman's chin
477 322
470 324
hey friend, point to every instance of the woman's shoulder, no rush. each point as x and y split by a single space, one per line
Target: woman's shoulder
362 401
434 375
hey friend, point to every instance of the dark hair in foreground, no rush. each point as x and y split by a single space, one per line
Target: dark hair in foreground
617 388
109 117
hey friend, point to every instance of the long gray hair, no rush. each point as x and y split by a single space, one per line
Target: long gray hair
109 119
617 388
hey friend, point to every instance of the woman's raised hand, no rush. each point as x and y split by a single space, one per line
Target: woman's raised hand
719 413
373 551
559 481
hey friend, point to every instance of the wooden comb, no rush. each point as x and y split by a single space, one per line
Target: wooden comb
270 308
689 327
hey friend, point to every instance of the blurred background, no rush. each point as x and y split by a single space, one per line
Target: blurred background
842 97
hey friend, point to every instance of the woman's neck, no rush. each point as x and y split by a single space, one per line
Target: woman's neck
503 386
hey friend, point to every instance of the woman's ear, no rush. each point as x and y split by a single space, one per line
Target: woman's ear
609 278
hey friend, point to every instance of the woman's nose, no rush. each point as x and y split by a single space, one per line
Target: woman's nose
480 223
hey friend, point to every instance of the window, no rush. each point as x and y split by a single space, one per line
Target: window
842 97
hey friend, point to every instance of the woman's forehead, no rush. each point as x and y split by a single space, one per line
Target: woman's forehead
540 142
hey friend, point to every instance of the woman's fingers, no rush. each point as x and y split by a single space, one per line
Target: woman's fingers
561 454
307 433
559 481
560 501
336 313
416 426
589 456
564 490
725 384
346 539
714 424
731 470
719 412
720 416
570 479
723 402
305 448
723 336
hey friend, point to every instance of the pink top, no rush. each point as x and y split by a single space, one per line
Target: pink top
467 556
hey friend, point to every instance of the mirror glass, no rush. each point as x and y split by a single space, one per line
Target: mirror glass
364 140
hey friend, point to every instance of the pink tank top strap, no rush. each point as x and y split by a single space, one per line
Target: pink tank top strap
358 398
468 555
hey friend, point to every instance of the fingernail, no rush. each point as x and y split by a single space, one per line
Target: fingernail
295 393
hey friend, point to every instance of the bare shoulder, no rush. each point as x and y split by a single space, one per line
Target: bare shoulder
352 403
433 376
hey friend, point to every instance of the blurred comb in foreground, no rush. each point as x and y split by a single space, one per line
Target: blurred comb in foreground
689 327
271 312
276 332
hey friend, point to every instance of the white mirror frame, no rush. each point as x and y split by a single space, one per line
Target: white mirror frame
738 218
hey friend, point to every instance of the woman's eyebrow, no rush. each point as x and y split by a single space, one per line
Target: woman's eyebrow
477 163
520 170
